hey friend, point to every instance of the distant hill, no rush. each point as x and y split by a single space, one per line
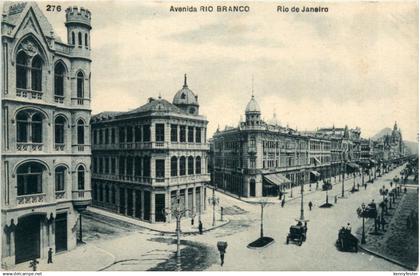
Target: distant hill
381 133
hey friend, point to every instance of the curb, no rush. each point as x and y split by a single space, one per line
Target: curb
256 248
161 231
379 255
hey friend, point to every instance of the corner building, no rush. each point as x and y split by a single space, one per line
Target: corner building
146 158
46 95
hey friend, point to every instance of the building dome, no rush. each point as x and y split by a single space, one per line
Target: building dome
252 106
185 96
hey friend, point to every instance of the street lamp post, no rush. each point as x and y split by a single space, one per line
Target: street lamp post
363 224
178 214
213 200
302 217
263 203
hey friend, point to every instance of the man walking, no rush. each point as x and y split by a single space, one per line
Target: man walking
50 256
310 205
200 227
282 203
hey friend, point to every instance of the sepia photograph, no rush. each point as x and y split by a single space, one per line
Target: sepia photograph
211 135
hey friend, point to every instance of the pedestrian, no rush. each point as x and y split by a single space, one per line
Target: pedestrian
200 227
192 220
222 258
348 228
335 199
365 186
310 205
50 252
390 184
358 186
383 223
282 203
33 264
405 190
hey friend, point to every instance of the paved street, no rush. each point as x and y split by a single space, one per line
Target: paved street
131 247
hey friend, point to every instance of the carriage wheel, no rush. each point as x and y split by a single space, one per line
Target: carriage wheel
300 241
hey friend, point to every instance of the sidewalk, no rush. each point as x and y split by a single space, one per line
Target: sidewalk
170 227
73 260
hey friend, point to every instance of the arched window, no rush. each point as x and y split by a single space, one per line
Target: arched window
73 38
59 129
21 70
198 165
106 193
29 127
174 166
80 132
190 165
80 39
36 73
80 178
80 85
59 72
29 179
182 165
86 40
60 178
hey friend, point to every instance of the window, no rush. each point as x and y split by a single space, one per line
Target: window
190 134
137 134
137 166
80 132
59 129
121 133
36 73
174 166
174 133
198 165
29 179
106 136
198 134
182 165
146 133
112 135
73 38
190 165
80 39
113 165
129 165
160 132
106 165
60 178
182 133
106 193
86 40
95 137
80 85
59 72
101 136
81 178
122 166
21 70
113 194
146 166
160 168
129 134
100 165
29 127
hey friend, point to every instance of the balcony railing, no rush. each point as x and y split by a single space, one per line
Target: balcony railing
59 99
28 93
80 148
60 195
30 199
80 101
24 146
59 147
81 195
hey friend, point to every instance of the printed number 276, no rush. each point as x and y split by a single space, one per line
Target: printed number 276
53 8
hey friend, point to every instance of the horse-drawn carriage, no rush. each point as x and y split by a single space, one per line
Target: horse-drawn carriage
297 233
370 211
346 241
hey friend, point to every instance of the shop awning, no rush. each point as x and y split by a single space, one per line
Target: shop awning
353 166
315 173
276 179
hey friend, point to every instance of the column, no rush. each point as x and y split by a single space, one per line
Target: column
117 199
168 204
194 208
142 204
134 203
12 243
125 200
152 207
187 213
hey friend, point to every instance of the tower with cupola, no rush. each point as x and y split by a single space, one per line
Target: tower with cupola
186 100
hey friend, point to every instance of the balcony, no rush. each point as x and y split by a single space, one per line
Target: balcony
59 147
59 99
189 179
31 199
60 195
28 93
80 101
81 199
24 146
81 148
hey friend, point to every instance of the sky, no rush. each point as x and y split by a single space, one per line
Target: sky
356 65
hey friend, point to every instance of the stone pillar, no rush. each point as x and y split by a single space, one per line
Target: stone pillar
117 199
125 201
134 203
168 204
142 204
152 207
187 213
194 208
